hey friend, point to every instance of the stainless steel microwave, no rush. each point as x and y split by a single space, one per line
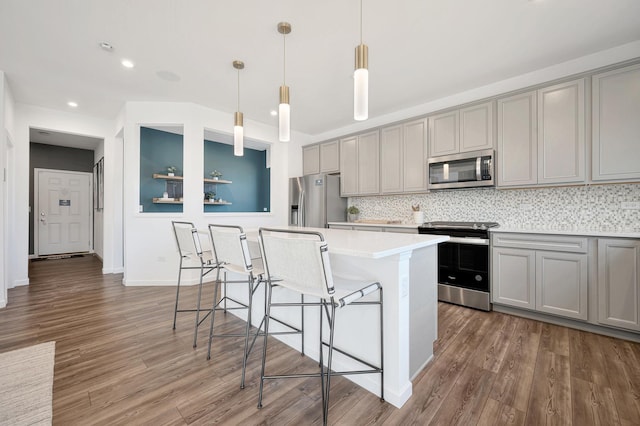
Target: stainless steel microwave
466 170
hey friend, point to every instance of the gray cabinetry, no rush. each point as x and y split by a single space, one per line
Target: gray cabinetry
517 140
546 273
391 160
541 136
619 283
330 157
403 158
561 133
360 164
616 124
311 160
466 129
321 158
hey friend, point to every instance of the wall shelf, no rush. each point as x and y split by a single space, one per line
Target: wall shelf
209 180
218 203
167 177
167 201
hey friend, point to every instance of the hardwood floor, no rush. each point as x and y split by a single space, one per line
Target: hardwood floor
119 362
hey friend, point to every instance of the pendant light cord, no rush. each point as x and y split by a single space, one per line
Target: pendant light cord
284 59
360 21
238 90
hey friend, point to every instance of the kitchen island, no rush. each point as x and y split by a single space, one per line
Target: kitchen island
406 266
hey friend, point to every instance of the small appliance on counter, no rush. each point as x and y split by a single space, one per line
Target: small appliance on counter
463 262
314 200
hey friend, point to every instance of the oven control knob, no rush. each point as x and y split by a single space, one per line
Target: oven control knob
483 226
478 278
475 226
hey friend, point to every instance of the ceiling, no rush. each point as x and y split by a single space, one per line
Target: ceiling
419 51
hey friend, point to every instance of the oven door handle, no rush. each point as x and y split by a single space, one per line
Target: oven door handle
474 241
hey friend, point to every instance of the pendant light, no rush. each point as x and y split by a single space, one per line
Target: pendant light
284 109
361 79
238 131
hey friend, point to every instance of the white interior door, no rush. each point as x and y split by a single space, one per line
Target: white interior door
63 212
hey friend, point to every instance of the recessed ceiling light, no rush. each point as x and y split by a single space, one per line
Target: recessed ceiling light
274 112
127 63
106 46
72 104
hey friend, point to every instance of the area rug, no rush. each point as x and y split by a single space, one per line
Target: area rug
26 385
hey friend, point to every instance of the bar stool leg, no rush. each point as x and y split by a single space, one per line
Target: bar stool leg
213 311
332 320
175 311
195 329
246 333
264 346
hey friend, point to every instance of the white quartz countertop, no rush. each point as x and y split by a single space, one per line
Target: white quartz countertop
373 245
376 225
611 233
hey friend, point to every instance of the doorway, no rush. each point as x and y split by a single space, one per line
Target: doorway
62 206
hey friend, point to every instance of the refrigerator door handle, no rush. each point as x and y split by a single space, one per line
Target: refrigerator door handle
302 219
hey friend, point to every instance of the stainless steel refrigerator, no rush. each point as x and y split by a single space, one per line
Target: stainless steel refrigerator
314 200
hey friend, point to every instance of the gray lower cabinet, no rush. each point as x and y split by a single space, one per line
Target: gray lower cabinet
552 280
619 283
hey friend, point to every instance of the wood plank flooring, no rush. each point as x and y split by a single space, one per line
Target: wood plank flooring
119 362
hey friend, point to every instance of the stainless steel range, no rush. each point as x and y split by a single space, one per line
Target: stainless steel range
463 262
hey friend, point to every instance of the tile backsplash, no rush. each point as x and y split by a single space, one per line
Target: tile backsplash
592 207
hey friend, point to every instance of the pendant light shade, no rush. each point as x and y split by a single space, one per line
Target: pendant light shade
284 109
238 130
361 84
284 114
238 135
361 79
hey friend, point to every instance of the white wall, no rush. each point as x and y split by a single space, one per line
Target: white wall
151 257
4 276
27 116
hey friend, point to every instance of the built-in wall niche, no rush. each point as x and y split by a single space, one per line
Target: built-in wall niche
241 184
161 169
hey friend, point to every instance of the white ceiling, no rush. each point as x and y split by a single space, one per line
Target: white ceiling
419 50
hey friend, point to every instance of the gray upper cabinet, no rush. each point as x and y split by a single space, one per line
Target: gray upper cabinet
360 164
462 130
330 157
541 136
444 134
321 158
476 127
403 158
561 133
517 140
414 156
310 160
369 163
616 125
391 160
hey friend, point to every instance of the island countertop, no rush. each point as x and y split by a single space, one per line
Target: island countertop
374 245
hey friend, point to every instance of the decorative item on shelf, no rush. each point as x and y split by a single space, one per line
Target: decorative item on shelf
353 213
215 175
165 195
210 196
171 170
418 216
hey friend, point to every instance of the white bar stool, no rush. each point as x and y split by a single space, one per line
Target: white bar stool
299 260
192 257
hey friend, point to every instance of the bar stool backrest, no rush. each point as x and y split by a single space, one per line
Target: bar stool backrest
300 259
230 247
188 240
